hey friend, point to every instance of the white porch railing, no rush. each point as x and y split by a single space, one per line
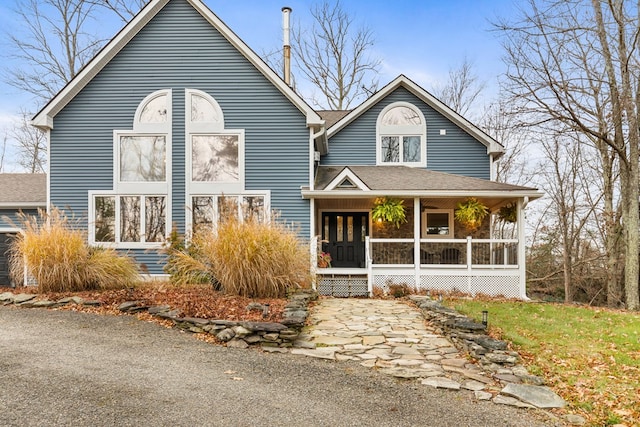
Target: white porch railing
474 266
447 253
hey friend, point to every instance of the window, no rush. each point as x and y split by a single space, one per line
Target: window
437 223
401 137
215 155
129 219
135 214
214 158
210 209
143 158
215 166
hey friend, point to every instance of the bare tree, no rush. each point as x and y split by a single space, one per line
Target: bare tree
54 45
125 9
31 145
462 88
334 58
574 62
3 151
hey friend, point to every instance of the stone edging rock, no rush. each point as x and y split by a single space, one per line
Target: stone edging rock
241 334
519 387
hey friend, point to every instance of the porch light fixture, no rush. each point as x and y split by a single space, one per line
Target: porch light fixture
485 318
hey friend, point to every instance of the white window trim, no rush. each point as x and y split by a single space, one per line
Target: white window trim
423 226
151 127
120 189
400 131
196 188
262 193
125 245
141 187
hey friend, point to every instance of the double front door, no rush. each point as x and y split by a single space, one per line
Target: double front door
343 237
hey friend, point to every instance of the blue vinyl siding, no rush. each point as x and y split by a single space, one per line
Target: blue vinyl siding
9 217
456 152
179 49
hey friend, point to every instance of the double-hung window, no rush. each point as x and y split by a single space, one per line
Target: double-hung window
136 212
401 136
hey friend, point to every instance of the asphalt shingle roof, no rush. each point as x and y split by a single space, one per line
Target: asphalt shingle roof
331 117
23 188
407 178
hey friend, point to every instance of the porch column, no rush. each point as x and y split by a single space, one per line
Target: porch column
522 271
416 241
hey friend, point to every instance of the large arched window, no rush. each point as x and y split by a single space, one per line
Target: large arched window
215 166
401 136
136 213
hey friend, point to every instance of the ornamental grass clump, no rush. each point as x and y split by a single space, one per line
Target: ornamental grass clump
250 259
57 256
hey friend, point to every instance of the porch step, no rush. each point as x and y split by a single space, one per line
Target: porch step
343 285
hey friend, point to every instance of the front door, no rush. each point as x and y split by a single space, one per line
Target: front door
343 236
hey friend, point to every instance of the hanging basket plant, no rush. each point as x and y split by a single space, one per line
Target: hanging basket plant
470 213
509 213
389 210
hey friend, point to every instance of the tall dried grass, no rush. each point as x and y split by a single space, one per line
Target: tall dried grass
251 259
56 254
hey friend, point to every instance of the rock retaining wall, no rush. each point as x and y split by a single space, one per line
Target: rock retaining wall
239 334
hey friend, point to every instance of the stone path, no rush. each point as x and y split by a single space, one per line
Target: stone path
394 338
389 335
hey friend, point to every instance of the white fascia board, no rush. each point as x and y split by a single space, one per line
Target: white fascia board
44 118
23 205
444 194
346 173
493 146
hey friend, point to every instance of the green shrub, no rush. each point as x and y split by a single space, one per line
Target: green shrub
251 259
56 254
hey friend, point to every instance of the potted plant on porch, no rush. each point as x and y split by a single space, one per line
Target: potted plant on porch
389 210
470 213
324 259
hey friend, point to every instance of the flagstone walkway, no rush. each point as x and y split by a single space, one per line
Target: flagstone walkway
391 336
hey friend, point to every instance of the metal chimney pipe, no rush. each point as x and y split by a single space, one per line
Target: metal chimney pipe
286 13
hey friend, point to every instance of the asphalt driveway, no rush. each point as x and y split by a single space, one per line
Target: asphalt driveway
65 368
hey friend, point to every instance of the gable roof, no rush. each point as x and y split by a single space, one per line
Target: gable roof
44 118
23 190
404 180
493 146
332 117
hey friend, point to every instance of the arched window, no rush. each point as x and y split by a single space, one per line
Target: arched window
136 213
215 167
401 136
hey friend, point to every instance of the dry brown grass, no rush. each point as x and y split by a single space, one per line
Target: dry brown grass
250 259
56 254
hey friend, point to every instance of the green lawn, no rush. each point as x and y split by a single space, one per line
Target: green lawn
590 356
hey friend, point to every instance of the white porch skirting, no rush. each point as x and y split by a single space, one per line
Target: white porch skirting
505 282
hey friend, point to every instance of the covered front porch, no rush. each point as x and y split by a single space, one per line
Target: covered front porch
364 253
430 250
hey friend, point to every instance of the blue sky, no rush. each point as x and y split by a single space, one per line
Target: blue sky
422 39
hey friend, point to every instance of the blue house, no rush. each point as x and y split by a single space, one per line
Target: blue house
177 121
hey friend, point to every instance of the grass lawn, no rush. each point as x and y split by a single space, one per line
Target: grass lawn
590 356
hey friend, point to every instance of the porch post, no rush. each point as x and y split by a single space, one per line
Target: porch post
522 250
416 241
314 242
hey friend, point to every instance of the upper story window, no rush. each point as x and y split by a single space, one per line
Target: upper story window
401 136
215 155
136 213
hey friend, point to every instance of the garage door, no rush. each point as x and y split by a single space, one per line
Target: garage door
5 239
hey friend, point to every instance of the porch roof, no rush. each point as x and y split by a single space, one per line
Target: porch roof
408 181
